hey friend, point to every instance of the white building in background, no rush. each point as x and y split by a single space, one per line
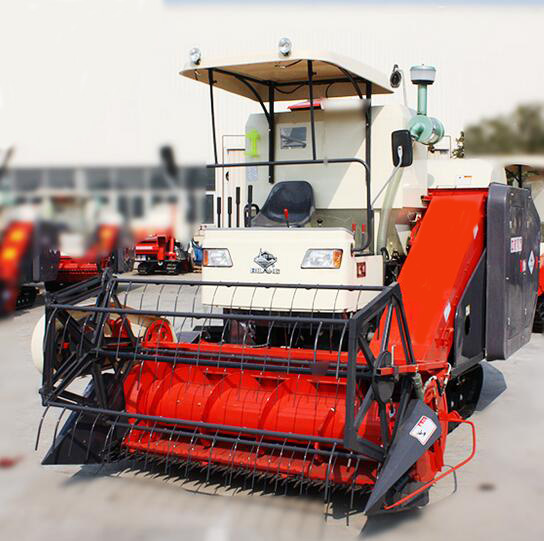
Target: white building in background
89 89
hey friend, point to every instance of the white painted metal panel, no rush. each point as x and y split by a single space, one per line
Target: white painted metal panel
289 246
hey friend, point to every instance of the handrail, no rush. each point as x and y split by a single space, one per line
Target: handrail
369 214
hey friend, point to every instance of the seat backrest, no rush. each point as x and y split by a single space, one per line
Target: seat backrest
297 196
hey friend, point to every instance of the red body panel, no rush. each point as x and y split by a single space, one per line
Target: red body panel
541 275
162 247
444 254
73 269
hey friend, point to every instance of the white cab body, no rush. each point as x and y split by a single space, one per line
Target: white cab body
288 246
340 193
340 133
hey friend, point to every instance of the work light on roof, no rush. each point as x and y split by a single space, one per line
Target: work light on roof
195 55
285 46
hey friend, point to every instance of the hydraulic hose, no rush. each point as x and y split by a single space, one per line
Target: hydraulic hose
392 185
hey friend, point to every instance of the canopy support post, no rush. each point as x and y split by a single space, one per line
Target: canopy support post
311 92
368 148
210 81
271 133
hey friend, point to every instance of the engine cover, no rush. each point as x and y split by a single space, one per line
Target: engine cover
513 253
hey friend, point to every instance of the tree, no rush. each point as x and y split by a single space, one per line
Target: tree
518 132
459 150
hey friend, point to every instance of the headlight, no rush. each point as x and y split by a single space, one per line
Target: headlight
322 259
285 46
216 257
195 55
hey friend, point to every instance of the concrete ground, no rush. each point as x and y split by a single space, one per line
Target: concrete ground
499 495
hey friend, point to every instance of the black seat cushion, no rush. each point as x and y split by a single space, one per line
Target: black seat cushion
297 196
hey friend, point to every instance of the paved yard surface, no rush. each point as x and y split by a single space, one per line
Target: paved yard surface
499 495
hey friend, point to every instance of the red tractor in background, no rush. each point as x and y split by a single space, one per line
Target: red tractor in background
162 253
111 247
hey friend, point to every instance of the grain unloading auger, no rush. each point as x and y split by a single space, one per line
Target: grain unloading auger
317 349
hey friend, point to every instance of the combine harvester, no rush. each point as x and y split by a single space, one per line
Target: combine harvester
29 255
28 248
335 340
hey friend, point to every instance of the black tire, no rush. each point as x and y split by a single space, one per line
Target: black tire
538 321
463 392
130 265
52 287
143 268
27 297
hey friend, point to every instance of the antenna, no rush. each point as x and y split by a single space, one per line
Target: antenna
424 129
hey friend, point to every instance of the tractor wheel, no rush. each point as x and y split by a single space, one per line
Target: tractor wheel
186 266
27 297
143 268
52 287
538 322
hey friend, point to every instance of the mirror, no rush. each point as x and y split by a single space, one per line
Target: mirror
403 139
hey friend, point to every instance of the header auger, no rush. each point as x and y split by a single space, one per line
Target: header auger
336 338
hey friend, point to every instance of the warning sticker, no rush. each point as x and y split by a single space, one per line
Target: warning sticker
516 244
423 430
531 261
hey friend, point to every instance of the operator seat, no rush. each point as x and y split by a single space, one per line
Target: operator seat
297 196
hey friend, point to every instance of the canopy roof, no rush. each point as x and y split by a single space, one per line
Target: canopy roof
331 75
511 162
534 161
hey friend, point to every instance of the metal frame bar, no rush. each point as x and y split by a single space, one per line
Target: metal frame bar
266 285
352 79
271 134
197 315
328 81
390 299
252 443
267 364
369 213
312 119
369 240
212 110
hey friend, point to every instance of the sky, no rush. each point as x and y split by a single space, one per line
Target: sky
368 2
97 81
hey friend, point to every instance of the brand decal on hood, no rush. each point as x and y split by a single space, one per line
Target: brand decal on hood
266 263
